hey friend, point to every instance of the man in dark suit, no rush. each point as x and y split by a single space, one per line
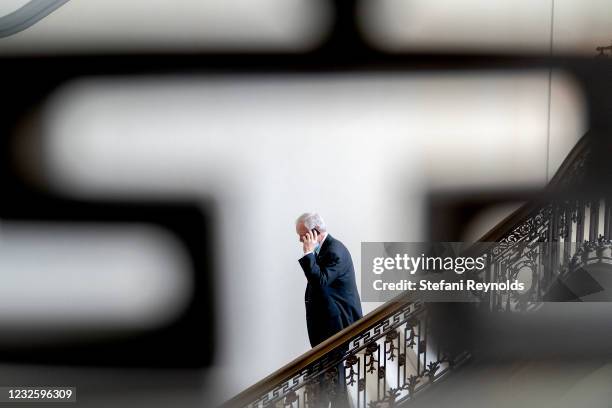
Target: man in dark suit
332 300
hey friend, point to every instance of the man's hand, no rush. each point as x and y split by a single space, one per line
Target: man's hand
309 241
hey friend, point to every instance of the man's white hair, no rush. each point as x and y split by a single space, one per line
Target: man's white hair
312 220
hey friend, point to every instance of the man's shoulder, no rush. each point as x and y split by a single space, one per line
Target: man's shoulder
335 245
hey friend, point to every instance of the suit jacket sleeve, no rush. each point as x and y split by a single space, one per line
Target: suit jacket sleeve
322 274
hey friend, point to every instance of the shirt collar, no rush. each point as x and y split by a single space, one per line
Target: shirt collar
321 244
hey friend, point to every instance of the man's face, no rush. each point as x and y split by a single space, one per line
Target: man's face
301 231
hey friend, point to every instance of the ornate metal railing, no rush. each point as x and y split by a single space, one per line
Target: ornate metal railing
551 244
390 355
387 357
547 240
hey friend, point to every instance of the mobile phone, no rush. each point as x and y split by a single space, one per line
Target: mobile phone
315 230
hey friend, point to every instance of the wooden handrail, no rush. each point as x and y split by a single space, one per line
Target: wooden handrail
390 307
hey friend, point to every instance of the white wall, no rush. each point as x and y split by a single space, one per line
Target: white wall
191 25
361 150
95 26
504 26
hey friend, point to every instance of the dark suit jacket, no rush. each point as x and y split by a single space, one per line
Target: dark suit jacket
332 300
